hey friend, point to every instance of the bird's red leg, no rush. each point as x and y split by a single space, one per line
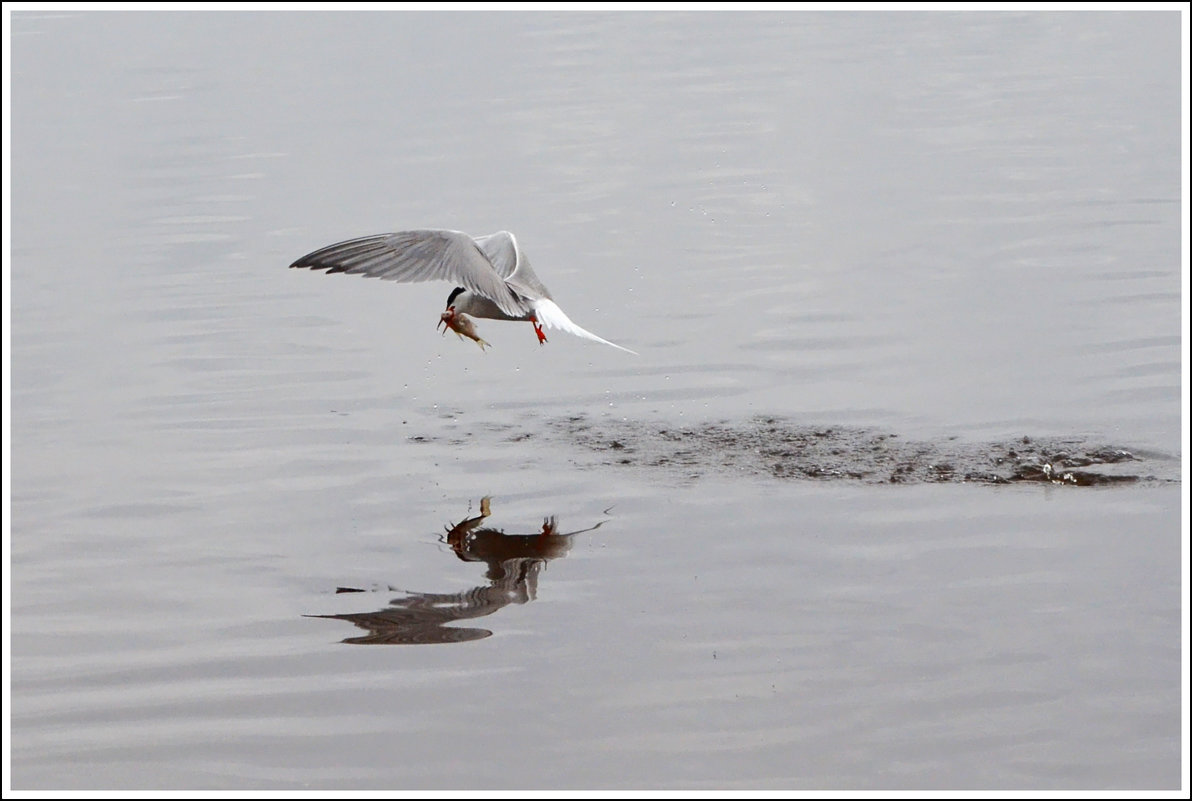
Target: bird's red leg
538 329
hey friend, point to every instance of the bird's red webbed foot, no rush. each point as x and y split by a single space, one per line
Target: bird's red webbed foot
538 330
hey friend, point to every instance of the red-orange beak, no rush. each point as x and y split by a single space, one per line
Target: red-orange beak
446 319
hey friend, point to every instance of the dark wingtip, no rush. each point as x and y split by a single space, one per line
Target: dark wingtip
317 265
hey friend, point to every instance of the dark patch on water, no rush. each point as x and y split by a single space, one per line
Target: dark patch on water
778 448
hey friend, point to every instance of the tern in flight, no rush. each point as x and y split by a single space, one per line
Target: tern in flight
497 281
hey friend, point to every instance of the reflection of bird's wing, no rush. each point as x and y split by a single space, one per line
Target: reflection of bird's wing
511 264
425 255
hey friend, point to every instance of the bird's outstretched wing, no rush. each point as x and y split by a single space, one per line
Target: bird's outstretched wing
423 255
511 264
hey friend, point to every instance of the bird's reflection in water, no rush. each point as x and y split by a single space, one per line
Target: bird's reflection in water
514 562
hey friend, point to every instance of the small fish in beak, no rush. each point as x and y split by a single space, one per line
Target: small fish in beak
462 325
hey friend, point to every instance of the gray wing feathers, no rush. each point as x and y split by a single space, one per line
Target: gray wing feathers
501 250
411 256
511 263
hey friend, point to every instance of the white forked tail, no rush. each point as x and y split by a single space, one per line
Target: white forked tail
551 316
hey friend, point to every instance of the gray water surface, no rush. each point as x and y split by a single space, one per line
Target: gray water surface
864 256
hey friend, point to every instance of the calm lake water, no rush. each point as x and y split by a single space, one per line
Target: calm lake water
951 233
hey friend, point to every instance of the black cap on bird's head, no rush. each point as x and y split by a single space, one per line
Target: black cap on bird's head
447 318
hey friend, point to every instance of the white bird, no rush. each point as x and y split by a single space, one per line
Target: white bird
498 282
